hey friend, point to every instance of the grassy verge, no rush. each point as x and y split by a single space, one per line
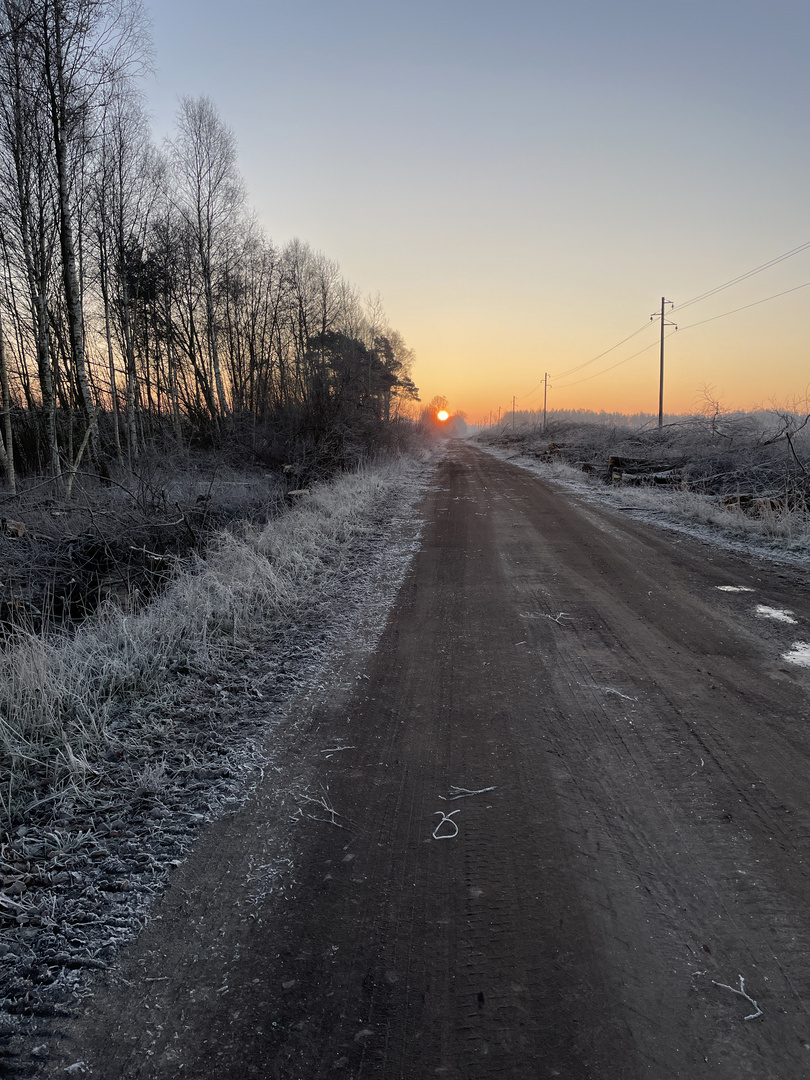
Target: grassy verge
76 710
118 743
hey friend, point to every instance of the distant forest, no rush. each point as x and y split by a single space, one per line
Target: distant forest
141 305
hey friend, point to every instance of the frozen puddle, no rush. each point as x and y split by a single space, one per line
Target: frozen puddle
780 614
799 654
733 588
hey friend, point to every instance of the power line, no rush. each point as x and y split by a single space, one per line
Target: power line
743 277
688 303
604 371
533 390
689 326
680 307
743 308
579 367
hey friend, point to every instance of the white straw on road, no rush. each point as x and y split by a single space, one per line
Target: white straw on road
326 804
742 993
446 818
544 615
462 792
608 690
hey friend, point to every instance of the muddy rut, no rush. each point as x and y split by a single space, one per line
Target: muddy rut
639 840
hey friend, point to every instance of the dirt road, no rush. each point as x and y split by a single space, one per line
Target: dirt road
644 837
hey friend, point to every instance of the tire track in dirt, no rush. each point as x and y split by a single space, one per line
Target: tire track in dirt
646 833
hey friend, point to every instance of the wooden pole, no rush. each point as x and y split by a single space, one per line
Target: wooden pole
661 380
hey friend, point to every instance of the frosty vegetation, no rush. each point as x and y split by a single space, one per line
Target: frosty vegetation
746 474
120 739
75 708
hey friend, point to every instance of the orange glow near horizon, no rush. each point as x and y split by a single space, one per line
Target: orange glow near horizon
762 363
606 357
442 415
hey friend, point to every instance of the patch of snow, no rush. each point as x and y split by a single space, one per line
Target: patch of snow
799 654
780 614
734 588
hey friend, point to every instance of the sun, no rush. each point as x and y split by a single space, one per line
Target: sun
442 415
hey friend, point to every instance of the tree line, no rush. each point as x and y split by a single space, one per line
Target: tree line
140 300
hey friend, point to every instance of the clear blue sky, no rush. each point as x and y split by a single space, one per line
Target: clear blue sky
522 182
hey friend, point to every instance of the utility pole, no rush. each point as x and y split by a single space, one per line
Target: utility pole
513 412
545 398
664 324
499 416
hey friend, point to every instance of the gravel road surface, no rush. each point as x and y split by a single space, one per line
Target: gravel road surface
635 855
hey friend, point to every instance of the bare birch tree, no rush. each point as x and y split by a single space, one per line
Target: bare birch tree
210 194
82 45
6 438
27 195
126 188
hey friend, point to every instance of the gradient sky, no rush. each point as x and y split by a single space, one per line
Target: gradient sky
523 181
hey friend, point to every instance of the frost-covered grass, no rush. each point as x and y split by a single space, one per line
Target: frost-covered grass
762 455
744 477
786 528
119 536
62 701
771 527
